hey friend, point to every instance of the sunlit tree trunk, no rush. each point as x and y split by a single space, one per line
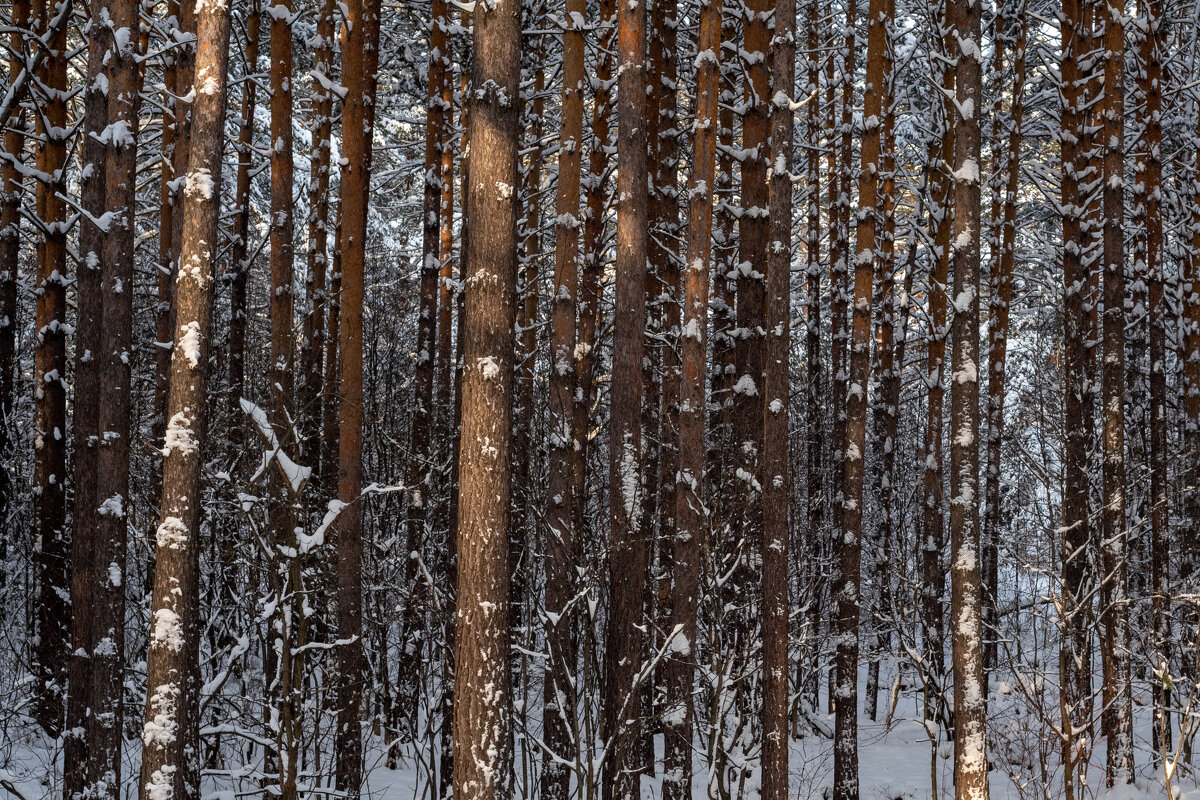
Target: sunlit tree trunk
627 544
169 733
966 641
482 706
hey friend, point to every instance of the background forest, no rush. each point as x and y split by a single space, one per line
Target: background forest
689 398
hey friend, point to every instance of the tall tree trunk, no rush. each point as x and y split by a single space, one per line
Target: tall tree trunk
313 346
10 251
1075 699
1114 617
815 398
361 37
691 511
482 705
239 260
283 672
86 407
933 537
565 435
776 404
590 288
169 733
1151 74
884 406
50 379
998 306
966 641
845 764
627 544
751 293
113 455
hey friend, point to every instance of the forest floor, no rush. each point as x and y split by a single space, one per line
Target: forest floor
896 761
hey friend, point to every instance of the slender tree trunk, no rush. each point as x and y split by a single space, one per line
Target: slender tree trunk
565 436
966 641
627 544
933 537
590 289
845 781
169 733
313 347
815 398
1075 699
50 379
482 706
998 307
691 511
887 379
1152 54
361 37
776 404
86 407
113 455
1118 700
283 489
10 251
751 292
239 261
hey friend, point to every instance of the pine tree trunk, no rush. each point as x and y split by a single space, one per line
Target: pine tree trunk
482 703
565 437
1114 616
690 514
169 734
1152 53
1076 525
776 404
313 346
966 641
933 537
105 731
627 543
360 41
845 781
50 379
86 411
239 261
10 251
998 309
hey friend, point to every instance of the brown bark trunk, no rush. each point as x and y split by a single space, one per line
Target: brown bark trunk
1114 617
86 409
170 733
998 308
691 512
360 41
239 264
845 781
1151 56
113 454
10 251
966 641
50 381
482 705
627 544
313 346
776 404
565 435
933 536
